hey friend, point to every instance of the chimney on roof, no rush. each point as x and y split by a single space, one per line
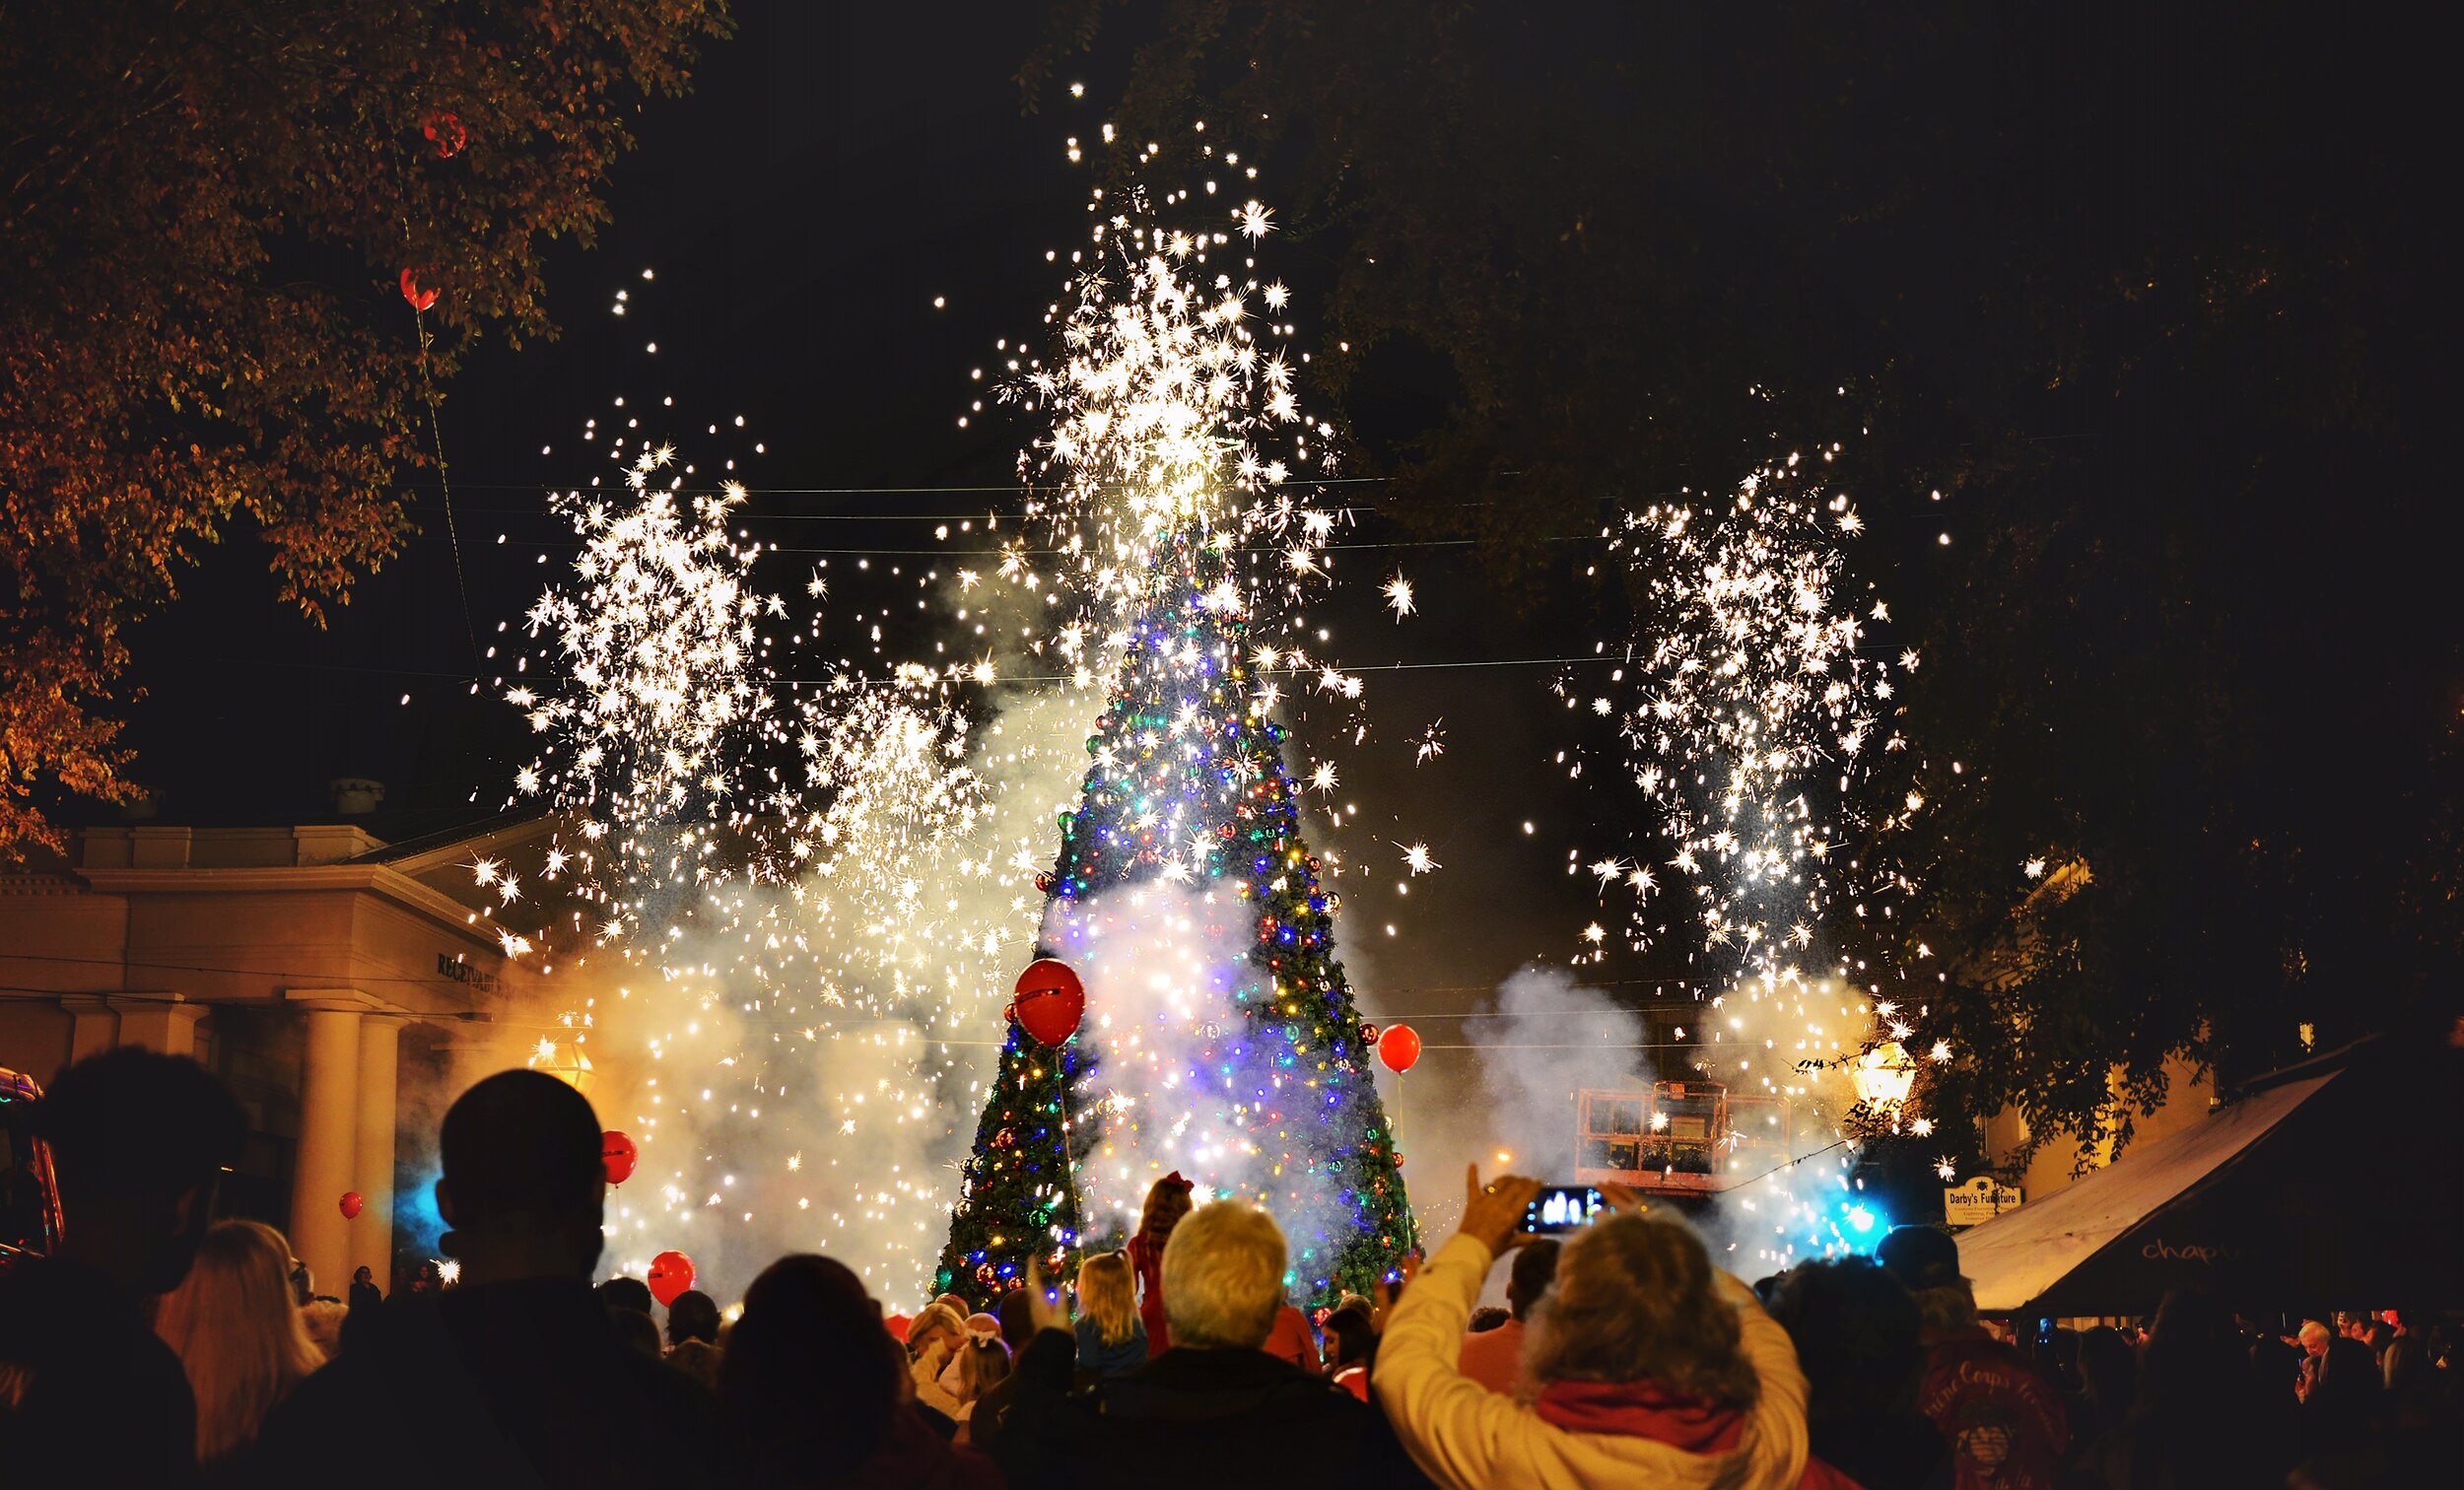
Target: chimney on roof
356 797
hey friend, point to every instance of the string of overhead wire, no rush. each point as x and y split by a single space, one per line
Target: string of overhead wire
1005 678
872 550
293 972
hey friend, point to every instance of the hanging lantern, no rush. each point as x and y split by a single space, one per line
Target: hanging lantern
1884 1076
565 1062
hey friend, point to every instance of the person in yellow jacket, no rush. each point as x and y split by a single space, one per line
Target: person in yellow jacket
1645 1367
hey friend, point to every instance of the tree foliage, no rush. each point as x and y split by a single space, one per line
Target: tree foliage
2133 329
206 207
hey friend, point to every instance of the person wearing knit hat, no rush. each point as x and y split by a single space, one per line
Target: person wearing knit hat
2003 1422
1920 1257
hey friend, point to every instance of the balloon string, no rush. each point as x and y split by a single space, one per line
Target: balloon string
1411 1223
1070 1161
435 438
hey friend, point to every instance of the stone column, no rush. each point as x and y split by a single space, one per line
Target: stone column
371 1235
93 1028
161 1022
330 1113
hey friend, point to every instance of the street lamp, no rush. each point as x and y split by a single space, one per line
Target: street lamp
1884 1077
565 1062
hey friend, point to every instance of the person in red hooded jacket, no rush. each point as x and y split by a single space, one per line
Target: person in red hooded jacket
2003 1422
1167 1200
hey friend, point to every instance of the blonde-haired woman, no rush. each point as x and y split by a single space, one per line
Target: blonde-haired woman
1112 1339
1167 1200
237 1334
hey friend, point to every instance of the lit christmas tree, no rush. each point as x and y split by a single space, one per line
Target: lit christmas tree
1185 841
1220 1039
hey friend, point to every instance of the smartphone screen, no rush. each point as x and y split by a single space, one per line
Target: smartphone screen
1561 1207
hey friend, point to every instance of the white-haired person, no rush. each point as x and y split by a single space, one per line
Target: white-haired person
1216 1409
1643 1365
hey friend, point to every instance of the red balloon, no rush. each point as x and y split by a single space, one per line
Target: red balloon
446 133
1398 1047
1050 1001
351 1206
618 1155
420 299
672 1274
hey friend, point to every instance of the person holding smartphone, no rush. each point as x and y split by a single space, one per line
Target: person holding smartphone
1494 1358
1645 1365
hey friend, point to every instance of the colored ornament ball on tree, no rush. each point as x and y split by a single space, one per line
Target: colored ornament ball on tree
420 300
1050 1001
672 1274
1368 1035
1398 1047
618 1155
352 1203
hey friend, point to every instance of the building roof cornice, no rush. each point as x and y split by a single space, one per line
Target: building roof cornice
376 879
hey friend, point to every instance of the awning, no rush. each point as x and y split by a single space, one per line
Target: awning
2330 1184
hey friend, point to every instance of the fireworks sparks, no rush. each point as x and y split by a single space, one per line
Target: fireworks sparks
804 898
1749 705
1752 715
645 752
1399 596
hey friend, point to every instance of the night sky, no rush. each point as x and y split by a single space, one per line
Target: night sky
2164 301
834 171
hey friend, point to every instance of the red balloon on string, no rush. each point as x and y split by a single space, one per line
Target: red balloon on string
672 1274
1398 1047
1050 1001
420 299
446 133
617 1154
352 1205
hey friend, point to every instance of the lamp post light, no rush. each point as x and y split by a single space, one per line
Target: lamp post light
565 1062
1884 1076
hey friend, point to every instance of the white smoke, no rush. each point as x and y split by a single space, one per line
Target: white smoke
1508 1103
803 1064
1177 1088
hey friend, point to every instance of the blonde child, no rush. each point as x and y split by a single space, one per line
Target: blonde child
1111 1337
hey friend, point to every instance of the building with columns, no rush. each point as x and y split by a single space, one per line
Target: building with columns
343 987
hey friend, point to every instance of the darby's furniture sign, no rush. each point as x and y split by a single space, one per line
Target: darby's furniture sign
1980 1200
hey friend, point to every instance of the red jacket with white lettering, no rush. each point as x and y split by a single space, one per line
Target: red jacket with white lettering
2003 1422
